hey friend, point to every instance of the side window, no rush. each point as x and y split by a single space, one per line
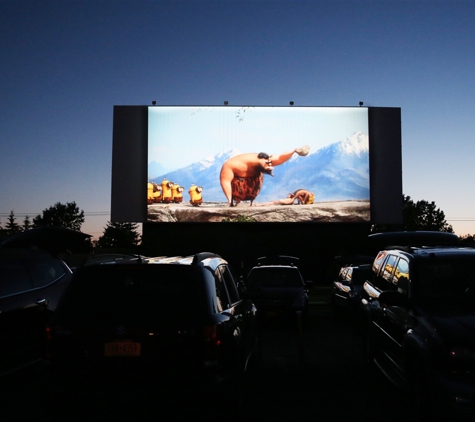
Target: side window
227 288
384 275
13 278
230 284
401 275
221 291
342 275
388 273
378 261
349 275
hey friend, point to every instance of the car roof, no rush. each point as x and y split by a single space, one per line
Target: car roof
433 252
388 240
443 251
205 259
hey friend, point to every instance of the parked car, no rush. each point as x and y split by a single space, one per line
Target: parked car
277 287
31 283
347 289
420 309
177 321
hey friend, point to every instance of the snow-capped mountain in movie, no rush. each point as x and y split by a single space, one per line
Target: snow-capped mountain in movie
356 144
204 173
339 171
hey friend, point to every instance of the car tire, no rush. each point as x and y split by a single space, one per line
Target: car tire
424 404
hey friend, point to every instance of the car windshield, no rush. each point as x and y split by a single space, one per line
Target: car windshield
135 294
446 283
278 277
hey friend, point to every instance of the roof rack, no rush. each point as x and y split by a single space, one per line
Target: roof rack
407 249
202 256
278 260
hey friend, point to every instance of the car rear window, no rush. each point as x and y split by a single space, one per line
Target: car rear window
44 271
134 294
20 273
275 277
14 277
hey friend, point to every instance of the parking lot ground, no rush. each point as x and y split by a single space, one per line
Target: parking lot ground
329 382
314 374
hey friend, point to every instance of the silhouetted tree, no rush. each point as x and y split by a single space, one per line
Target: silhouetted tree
61 215
12 226
119 235
420 215
27 224
468 240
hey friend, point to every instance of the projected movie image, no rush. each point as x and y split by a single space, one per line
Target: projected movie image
258 164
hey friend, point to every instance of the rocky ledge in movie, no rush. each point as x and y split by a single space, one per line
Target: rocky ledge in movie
321 212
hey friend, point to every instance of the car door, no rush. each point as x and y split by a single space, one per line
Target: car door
241 325
342 288
19 316
395 314
378 323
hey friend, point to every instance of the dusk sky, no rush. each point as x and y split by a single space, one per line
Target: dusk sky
65 64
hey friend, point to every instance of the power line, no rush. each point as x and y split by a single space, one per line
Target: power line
460 219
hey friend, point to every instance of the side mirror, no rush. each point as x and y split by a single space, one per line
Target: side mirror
242 289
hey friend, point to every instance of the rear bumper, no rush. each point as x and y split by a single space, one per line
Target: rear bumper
451 397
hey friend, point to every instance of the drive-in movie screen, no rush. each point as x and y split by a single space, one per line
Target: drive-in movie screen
264 164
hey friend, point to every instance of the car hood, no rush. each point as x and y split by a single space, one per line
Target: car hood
50 238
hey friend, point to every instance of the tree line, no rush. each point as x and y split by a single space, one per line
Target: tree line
115 235
417 215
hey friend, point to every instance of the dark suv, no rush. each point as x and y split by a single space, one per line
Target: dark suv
277 288
420 308
178 321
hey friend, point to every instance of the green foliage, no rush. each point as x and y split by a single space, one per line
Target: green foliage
27 224
119 235
468 240
239 219
420 215
12 226
61 215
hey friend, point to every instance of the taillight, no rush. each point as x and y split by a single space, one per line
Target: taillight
49 337
211 341
49 333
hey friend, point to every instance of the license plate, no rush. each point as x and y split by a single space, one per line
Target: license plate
122 348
